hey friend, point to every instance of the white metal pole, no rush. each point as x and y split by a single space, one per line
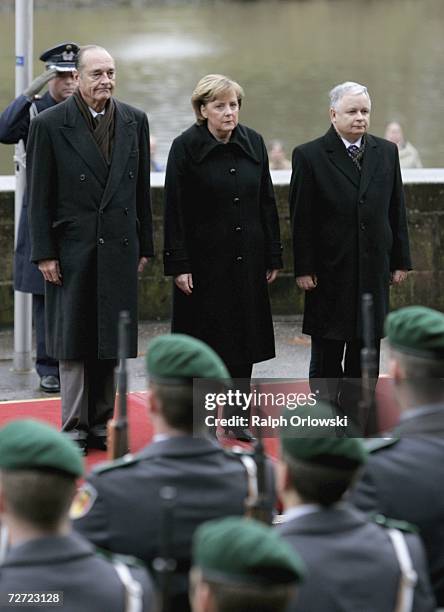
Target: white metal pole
23 76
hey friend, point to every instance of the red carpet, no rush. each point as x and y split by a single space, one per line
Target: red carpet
140 428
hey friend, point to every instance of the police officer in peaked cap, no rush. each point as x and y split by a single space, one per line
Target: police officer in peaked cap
61 78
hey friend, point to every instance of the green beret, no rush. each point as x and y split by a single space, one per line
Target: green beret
31 444
239 550
178 358
417 330
319 443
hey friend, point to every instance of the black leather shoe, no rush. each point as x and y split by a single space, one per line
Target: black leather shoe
243 434
98 442
83 448
50 384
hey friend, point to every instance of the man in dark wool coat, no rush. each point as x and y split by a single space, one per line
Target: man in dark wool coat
350 237
91 232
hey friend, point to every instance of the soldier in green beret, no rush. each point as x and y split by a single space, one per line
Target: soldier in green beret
124 511
43 562
405 470
352 562
242 565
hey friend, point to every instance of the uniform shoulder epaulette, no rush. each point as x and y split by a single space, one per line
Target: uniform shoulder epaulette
390 523
127 560
375 444
124 461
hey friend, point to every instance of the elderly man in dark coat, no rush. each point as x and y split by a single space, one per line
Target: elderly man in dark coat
349 234
61 77
90 219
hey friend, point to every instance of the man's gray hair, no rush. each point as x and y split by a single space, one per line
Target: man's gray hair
349 87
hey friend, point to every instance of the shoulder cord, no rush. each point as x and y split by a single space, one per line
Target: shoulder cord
251 468
409 577
4 542
133 599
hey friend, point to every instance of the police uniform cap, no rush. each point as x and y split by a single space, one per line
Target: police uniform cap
178 358
34 445
320 445
417 330
244 551
62 57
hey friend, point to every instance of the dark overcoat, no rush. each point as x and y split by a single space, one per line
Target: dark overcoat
350 229
95 220
403 478
14 126
351 563
221 225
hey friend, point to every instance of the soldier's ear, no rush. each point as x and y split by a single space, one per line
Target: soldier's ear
152 401
202 598
2 499
283 479
396 371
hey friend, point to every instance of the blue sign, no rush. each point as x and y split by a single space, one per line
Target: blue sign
19 60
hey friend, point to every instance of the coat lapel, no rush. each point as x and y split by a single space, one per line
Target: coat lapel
80 138
339 156
369 164
124 137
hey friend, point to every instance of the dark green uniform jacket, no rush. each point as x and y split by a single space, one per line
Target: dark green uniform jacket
68 564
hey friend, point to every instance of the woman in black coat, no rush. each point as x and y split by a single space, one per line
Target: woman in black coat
222 243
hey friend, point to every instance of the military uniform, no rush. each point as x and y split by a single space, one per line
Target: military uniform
403 479
53 561
14 126
69 565
351 563
122 509
404 474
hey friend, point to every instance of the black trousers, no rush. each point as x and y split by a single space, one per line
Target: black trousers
241 373
44 364
335 376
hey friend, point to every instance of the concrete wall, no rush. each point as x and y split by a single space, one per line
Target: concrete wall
424 195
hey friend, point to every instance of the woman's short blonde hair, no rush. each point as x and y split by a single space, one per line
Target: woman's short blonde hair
211 87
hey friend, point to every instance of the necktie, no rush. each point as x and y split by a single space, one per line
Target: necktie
353 151
97 120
